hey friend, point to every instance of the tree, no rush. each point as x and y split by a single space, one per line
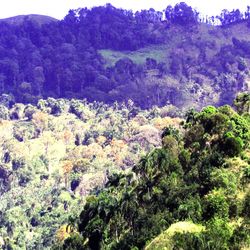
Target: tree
242 103
39 80
181 14
4 113
187 178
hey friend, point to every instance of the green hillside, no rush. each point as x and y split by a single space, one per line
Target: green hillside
125 131
191 193
56 153
178 37
157 52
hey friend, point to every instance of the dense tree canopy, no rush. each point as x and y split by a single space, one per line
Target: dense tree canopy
55 153
199 176
84 98
71 57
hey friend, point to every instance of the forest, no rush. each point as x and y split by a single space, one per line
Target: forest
190 193
122 130
56 153
107 54
80 175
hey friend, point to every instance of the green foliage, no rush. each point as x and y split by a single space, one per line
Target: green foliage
246 206
74 242
54 154
242 102
218 233
183 234
216 205
171 131
68 149
232 146
186 179
224 179
241 236
188 240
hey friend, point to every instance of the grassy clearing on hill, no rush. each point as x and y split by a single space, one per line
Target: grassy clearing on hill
158 52
176 37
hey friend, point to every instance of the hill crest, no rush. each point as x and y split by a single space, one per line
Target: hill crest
18 20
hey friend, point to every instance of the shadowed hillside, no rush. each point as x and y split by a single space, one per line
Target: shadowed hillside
19 20
109 54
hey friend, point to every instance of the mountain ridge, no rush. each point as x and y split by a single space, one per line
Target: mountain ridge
19 19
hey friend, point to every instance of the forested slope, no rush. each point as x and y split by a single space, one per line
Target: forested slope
193 191
99 104
54 154
108 54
